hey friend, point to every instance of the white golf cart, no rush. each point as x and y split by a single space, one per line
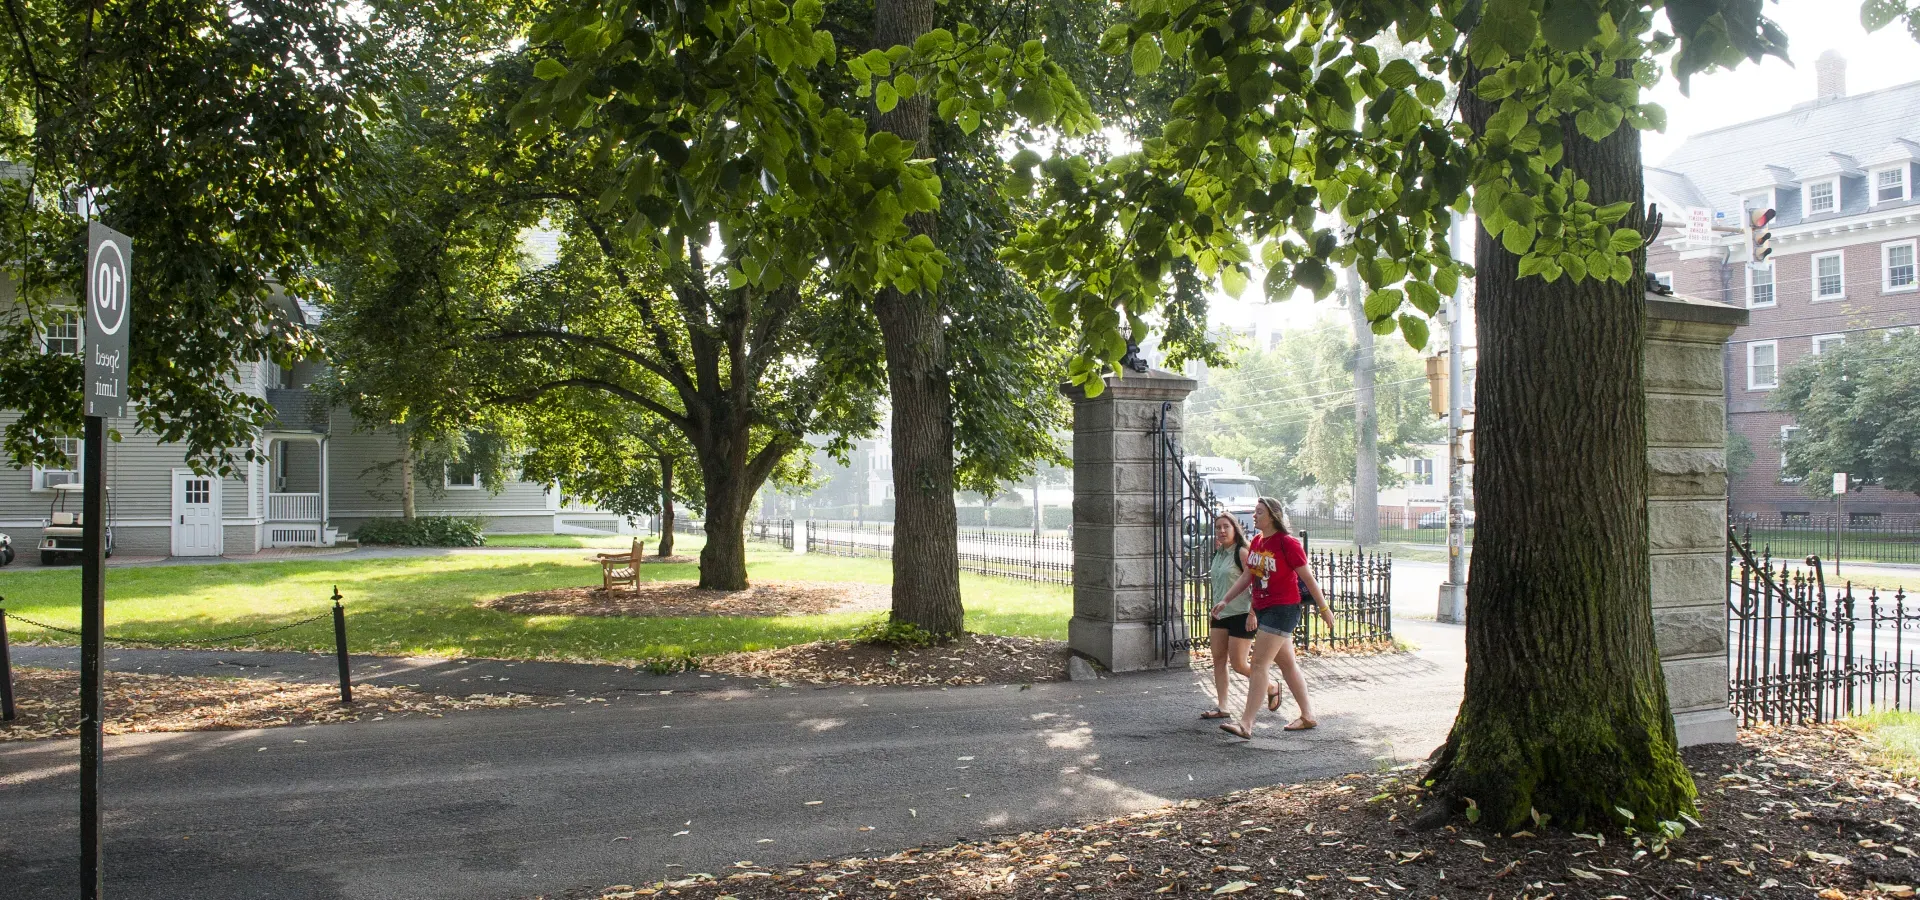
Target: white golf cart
63 538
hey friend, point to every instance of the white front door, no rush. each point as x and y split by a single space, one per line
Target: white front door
196 514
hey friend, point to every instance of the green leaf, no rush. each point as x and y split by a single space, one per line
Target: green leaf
1569 24
1415 328
1382 303
1146 55
1624 240
1423 297
1613 212
1234 281
1507 28
968 120
548 69
1516 238
885 98
1399 74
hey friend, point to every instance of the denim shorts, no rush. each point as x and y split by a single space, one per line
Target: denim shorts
1282 619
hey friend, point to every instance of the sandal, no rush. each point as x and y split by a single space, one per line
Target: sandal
1273 699
1216 713
1302 724
1235 730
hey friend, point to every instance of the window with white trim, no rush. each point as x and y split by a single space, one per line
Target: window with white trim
1829 276
462 475
1423 471
1824 342
1763 366
1665 279
46 477
63 334
1822 197
1896 266
1760 285
1890 185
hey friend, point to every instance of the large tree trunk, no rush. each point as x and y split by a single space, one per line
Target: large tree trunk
406 477
723 467
1566 707
666 506
926 560
1366 424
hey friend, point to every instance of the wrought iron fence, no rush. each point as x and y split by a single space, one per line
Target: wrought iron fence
1803 650
983 551
772 531
1863 537
1359 589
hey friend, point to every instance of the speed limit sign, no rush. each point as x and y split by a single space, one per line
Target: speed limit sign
109 281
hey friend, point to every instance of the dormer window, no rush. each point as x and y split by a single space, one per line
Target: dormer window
1822 197
1890 185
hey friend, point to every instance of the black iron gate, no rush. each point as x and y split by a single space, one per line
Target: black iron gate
1182 548
1806 651
1358 586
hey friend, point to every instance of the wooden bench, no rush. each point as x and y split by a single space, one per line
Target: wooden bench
621 568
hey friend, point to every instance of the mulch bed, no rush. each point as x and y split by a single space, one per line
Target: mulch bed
48 704
678 599
973 659
1790 814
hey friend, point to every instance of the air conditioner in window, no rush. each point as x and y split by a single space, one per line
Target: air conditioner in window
55 478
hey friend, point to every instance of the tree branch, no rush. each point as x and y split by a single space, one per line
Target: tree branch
598 384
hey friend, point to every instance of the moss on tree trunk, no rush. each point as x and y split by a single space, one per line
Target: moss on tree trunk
1566 707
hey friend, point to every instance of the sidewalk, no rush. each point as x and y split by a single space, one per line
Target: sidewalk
512 803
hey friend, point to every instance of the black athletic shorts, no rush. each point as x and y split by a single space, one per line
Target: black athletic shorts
1235 626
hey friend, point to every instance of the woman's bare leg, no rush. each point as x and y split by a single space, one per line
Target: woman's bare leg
1223 656
1296 682
1265 646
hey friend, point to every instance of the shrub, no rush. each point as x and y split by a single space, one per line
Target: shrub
1058 517
972 516
886 632
1010 517
424 531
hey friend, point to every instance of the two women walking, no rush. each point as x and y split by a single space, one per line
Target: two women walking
1271 570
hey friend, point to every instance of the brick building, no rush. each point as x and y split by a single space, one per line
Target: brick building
1840 173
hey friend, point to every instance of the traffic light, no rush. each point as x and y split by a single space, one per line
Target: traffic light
1760 234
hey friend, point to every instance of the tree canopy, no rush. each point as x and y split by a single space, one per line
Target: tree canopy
216 135
1857 408
1290 410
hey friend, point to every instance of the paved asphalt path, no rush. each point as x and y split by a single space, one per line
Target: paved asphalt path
515 803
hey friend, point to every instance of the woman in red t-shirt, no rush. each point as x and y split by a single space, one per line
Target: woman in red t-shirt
1274 561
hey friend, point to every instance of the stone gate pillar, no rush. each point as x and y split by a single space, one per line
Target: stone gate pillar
1687 507
1113 515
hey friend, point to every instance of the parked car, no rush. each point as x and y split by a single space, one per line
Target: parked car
1438 519
6 549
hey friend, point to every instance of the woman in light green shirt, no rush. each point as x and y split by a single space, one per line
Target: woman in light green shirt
1231 634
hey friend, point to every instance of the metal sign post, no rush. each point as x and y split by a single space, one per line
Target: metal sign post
108 274
1839 523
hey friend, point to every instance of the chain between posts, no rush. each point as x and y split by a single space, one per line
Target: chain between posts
337 613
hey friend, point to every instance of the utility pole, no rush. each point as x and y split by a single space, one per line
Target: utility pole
1366 421
1453 593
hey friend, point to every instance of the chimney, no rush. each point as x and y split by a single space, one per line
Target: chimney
1830 73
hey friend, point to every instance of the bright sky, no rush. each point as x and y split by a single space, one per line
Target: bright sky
1882 59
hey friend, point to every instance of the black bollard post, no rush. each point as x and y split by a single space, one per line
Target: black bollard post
340 646
6 670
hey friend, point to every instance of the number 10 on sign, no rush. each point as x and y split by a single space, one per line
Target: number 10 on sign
109 278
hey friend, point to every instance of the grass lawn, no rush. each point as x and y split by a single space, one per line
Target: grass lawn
597 542
1897 735
425 605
